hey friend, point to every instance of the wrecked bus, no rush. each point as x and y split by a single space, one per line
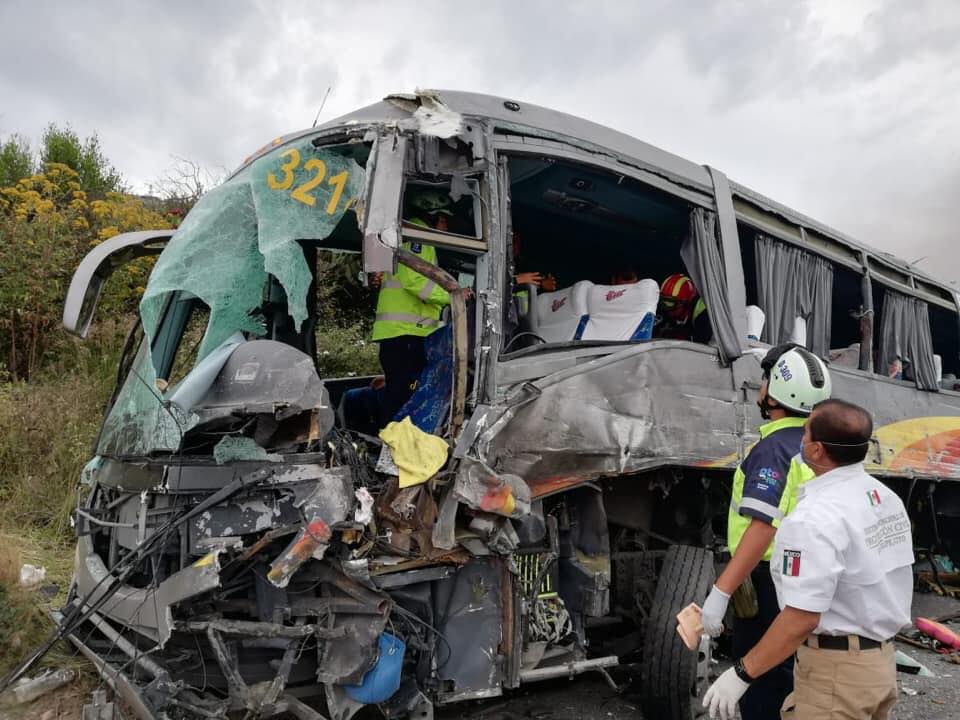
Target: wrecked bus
248 545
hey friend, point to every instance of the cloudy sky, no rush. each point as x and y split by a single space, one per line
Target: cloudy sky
846 110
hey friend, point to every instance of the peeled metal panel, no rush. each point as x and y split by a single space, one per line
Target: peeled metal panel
381 214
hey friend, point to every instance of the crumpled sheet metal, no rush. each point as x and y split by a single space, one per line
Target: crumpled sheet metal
145 610
310 543
432 115
480 488
331 502
646 406
468 612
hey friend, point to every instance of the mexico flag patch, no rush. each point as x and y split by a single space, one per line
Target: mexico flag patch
791 562
874 497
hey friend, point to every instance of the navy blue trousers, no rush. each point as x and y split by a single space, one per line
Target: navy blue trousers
767 693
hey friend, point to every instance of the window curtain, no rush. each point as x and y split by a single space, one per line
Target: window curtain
792 283
703 257
905 335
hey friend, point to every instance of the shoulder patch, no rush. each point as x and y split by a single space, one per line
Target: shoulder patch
791 563
416 247
769 477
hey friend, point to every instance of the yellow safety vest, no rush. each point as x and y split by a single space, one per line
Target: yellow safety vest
409 303
772 496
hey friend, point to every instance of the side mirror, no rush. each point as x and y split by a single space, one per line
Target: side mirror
88 280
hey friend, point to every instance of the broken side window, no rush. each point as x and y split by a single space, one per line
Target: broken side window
945 329
588 254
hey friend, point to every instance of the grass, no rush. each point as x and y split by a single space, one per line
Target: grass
46 431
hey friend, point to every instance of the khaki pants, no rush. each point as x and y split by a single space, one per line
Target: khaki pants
848 684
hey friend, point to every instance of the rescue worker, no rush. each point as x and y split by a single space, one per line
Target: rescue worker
842 566
764 491
408 310
682 312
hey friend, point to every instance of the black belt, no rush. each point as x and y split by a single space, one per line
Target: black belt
842 642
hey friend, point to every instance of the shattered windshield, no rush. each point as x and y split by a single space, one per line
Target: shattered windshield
238 236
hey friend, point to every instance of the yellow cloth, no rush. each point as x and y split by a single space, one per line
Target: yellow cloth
417 454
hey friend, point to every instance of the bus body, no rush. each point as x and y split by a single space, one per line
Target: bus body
243 543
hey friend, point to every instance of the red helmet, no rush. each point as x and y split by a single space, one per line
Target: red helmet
678 295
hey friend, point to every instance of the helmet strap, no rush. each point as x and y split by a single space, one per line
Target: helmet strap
766 405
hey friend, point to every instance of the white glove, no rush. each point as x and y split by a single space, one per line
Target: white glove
713 610
724 695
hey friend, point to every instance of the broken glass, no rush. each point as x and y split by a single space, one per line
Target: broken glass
300 193
240 233
248 227
140 422
232 449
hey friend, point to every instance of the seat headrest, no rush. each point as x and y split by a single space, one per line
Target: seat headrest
618 311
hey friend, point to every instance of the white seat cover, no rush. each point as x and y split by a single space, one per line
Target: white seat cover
755 322
622 312
559 313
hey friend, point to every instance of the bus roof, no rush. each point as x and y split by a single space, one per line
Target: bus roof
527 119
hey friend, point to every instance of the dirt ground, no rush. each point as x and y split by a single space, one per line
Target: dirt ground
590 698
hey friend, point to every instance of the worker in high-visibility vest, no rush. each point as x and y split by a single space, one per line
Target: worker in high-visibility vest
408 310
765 489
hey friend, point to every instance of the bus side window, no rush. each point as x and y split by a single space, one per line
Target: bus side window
845 317
945 329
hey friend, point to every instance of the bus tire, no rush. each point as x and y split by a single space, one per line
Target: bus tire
673 679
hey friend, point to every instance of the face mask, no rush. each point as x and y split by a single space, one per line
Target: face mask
803 459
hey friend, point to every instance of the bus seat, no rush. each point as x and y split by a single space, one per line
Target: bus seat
429 405
622 312
848 357
561 315
799 334
755 322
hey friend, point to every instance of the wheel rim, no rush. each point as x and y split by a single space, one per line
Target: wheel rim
702 677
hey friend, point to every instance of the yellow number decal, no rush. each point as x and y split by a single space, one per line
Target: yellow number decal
339 181
288 168
300 193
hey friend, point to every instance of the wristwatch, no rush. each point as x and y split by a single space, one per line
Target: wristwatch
741 672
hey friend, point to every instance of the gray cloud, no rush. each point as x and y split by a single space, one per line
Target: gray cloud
844 111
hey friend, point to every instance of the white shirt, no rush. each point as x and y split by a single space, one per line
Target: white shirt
846 552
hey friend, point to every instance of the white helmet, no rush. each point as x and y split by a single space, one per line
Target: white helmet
798 380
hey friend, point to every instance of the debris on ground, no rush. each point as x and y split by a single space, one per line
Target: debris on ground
32 576
939 632
908 665
98 708
942 583
29 689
